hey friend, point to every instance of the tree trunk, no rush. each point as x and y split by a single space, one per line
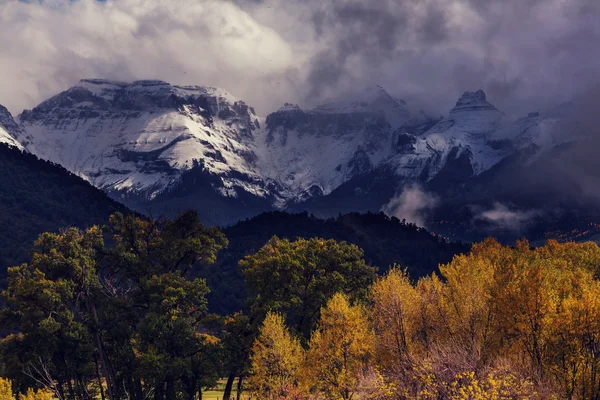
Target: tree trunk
109 376
229 386
158 390
70 386
190 387
139 392
61 390
171 395
100 386
238 395
78 388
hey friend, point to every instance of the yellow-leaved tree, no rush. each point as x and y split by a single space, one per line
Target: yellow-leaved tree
340 350
40 394
6 392
395 312
469 330
275 359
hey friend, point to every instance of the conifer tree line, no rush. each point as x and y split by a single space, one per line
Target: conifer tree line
116 313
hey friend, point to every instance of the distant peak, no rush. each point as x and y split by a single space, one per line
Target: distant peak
472 101
371 99
109 82
95 81
107 88
150 82
470 97
94 97
289 107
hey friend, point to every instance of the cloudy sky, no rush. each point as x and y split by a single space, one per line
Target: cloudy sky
526 54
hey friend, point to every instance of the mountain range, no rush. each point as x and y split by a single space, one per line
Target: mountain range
160 149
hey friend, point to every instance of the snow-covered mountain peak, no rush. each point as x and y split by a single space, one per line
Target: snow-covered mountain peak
10 132
150 142
139 137
103 95
472 115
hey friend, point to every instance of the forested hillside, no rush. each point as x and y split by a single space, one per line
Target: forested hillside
386 241
38 196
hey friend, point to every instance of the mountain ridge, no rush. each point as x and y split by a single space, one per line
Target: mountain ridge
152 145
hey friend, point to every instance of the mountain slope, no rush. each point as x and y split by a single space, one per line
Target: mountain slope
37 196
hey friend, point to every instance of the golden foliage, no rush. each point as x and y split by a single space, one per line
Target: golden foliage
6 392
276 357
340 350
396 320
40 394
493 386
499 323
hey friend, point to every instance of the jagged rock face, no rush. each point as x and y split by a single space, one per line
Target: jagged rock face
406 143
10 132
137 139
472 114
424 146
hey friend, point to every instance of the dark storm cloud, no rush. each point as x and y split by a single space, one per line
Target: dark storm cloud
363 35
357 29
526 54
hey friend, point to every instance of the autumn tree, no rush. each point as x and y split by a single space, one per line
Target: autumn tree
296 278
501 322
6 392
395 305
340 350
397 324
237 338
275 360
